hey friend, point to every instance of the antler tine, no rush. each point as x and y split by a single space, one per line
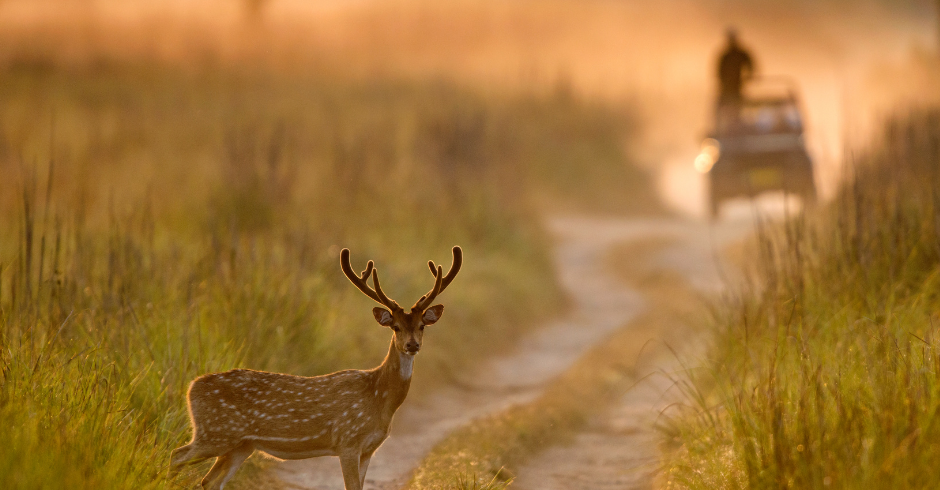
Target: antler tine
360 281
454 267
441 281
385 300
367 271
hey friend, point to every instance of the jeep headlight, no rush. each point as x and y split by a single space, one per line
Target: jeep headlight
707 157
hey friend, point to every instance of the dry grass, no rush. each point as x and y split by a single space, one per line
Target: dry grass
826 373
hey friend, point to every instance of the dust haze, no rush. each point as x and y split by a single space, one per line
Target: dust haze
854 61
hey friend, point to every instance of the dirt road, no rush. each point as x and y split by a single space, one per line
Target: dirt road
601 305
618 449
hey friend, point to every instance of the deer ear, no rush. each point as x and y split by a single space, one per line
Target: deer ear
383 316
432 314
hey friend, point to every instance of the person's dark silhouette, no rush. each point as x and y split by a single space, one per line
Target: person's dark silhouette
734 68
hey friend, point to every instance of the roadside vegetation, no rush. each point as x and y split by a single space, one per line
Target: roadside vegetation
159 223
825 372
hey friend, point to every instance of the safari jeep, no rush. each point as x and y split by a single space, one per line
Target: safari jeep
757 146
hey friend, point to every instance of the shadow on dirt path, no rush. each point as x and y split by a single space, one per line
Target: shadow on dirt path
601 305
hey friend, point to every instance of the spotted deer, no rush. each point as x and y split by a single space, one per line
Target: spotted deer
345 414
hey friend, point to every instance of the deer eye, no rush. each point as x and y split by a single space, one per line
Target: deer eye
421 328
395 328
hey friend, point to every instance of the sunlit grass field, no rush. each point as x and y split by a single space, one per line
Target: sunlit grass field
825 372
157 223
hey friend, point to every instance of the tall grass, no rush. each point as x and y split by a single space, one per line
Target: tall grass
828 375
159 224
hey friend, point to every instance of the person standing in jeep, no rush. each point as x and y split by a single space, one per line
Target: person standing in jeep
734 68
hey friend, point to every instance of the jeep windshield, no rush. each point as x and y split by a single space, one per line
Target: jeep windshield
760 117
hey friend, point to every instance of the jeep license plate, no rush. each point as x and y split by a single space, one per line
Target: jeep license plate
764 178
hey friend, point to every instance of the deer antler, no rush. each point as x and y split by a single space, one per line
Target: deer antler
360 281
440 280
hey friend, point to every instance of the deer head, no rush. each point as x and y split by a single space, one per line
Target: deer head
408 327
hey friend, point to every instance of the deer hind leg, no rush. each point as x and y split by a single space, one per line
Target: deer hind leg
226 466
179 457
236 456
220 465
188 454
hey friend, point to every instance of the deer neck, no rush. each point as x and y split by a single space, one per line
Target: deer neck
395 376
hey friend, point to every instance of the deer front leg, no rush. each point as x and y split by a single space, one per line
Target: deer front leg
349 461
363 467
